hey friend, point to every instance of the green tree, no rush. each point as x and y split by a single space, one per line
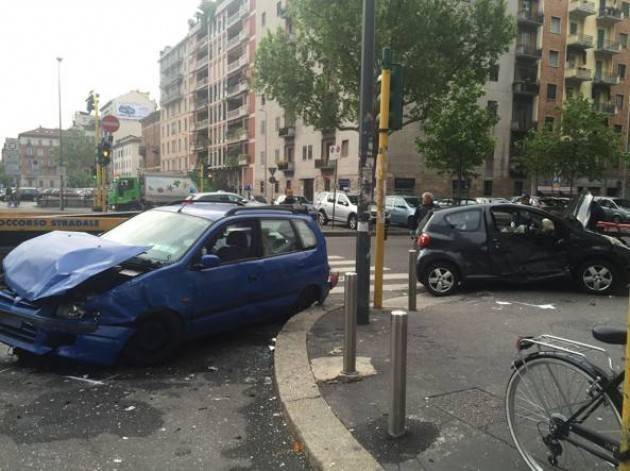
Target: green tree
583 145
79 157
458 134
314 71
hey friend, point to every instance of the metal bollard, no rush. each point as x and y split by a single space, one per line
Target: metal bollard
396 424
350 330
413 283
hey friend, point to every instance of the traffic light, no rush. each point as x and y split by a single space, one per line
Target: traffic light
105 150
396 92
90 102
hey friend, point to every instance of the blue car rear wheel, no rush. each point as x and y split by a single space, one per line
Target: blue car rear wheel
155 340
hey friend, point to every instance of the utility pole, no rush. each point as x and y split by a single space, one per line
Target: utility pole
61 168
365 163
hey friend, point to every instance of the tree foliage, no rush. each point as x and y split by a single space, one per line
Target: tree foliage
457 136
583 145
314 71
79 157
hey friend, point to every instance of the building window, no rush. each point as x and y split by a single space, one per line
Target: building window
310 152
549 120
277 123
487 188
551 92
345 148
555 24
621 71
263 100
554 58
263 19
493 108
279 9
626 9
619 101
288 184
276 154
618 128
494 73
623 39
263 127
573 28
303 152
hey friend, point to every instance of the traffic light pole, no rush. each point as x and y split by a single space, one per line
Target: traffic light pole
381 173
365 165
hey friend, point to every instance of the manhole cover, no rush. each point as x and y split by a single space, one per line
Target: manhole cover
473 406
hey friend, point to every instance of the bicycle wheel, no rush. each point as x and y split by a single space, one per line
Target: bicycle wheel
544 392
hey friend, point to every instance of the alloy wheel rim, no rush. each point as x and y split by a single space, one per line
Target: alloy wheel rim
597 278
441 279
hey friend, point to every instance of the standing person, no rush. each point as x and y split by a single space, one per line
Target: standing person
424 209
289 199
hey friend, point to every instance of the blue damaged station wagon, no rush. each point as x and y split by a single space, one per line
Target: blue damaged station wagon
162 277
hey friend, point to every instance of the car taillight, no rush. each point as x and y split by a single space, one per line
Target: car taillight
333 279
423 240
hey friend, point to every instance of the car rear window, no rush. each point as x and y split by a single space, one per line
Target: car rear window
465 221
309 240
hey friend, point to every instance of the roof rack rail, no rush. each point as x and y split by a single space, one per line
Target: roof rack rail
287 209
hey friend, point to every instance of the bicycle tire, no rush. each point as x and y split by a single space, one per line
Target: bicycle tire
605 419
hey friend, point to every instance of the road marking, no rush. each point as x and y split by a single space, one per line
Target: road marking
86 380
335 257
339 262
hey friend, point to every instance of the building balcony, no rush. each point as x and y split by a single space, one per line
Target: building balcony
608 48
285 166
605 107
608 16
201 62
200 125
166 98
523 125
527 52
325 164
200 105
580 9
287 132
237 89
169 80
236 40
578 74
580 41
242 12
238 63
237 113
201 83
530 18
242 160
603 78
525 88
201 42
236 136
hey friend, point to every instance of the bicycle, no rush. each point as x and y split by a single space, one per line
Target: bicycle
563 411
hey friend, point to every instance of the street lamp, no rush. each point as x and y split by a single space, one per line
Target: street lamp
61 170
266 128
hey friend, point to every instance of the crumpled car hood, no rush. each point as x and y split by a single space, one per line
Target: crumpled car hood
53 263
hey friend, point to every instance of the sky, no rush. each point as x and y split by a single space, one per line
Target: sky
109 46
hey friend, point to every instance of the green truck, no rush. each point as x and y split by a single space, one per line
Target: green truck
148 190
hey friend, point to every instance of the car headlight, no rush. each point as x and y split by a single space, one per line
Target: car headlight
70 311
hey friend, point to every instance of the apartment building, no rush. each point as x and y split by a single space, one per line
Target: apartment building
38 165
11 159
129 108
126 159
150 148
175 126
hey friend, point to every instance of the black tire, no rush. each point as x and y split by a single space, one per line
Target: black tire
597 276
156 338
307 298
322 219
352 222
440 278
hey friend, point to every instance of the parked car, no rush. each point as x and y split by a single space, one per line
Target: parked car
615 209
553 204
218 197
158 279
300 202
402 209
27 193
490 200
344 211
519 244
448 202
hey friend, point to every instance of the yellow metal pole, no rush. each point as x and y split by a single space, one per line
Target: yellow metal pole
381 172
625 415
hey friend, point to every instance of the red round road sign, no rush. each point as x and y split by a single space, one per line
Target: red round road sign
110 123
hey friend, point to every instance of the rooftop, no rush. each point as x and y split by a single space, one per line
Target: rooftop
41 132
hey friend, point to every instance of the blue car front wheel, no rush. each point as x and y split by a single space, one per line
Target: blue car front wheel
156 338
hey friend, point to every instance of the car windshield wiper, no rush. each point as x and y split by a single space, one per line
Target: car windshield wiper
144 262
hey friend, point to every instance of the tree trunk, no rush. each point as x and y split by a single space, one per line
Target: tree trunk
533 184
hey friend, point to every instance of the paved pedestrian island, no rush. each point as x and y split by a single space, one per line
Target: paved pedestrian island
459 354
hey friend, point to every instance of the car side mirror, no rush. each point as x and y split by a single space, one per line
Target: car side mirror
209 261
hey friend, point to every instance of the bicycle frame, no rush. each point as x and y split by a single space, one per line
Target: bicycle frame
602 386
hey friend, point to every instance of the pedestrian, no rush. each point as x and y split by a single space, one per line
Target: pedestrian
422 210
597 214
289 199
8 196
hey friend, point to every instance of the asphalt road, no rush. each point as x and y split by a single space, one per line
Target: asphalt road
213 407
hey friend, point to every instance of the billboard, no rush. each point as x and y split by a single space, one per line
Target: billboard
132 110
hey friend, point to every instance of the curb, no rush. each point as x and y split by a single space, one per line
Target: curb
328 444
